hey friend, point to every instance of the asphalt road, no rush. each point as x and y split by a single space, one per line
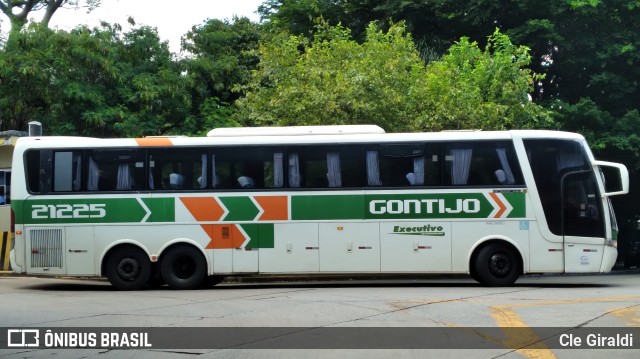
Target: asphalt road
536 305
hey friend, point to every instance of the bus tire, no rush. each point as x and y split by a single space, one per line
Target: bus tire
496 265
183 267
128 268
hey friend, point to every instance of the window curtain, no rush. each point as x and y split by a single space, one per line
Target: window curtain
504 163
460 166
418 171
203 172
215 181
152 165
333 167
373 169
77 181
278 170
124 182
294 170
94 176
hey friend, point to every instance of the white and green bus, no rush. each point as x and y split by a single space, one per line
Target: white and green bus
312 200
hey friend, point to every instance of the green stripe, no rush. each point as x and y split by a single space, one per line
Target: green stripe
94 210
327 207
162 209
240 209
518 202
260 235
402 206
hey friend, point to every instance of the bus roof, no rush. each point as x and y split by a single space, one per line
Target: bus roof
290 139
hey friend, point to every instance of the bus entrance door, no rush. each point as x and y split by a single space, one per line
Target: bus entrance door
583 225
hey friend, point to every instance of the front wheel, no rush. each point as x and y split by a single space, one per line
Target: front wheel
128 268
496 265
183 267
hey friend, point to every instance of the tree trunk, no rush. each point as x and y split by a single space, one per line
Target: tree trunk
52 6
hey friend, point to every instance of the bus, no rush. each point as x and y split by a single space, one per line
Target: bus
187 211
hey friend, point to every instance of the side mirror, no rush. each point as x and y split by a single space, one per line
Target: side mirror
621 178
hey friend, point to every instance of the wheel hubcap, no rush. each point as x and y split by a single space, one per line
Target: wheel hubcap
184 267
128 269
500 264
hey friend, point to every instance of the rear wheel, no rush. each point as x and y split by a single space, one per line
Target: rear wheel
128 268
183 267
496 265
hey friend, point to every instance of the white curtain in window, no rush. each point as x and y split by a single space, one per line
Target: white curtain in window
94 176
76 177
373 169
203 172
124 182
294 170
215 181
418 171
278 170
333 167
460 166
504 162
151 168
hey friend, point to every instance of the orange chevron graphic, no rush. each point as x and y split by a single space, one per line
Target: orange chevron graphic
224 236
276 208
203 208
503 208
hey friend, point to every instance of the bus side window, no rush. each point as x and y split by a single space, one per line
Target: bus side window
326 167
67 171
178 169
486 163
402 165
251 168
115 170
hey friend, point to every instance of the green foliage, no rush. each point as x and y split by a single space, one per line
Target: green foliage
18 12
221 57
96 82
298 16
471 88
334 80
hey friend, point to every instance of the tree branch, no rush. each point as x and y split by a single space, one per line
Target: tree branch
52 6
25 5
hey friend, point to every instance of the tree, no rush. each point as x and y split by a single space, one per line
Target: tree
471 88
299 16
18 11
334 80
93 82
221 57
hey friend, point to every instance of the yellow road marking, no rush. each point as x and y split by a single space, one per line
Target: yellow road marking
629 314
506 317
